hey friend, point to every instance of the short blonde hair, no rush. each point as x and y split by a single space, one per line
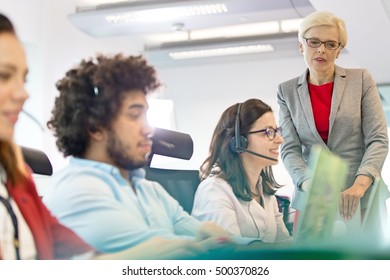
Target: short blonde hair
323 19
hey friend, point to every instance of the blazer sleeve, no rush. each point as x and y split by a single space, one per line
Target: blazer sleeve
291 148
374 128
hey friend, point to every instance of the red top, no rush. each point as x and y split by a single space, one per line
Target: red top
321 101
52 239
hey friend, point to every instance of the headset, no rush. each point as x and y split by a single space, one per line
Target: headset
239 143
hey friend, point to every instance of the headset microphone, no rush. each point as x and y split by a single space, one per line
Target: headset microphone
256 154
239 143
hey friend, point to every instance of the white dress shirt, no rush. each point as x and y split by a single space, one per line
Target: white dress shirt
215 201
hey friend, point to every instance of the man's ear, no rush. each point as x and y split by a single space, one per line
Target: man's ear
97 135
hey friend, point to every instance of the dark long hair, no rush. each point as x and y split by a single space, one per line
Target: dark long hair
224 162
8 158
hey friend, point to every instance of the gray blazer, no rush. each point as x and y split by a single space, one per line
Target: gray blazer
357 127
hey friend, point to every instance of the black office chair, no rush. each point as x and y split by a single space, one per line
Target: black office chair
171 144
284 208
180 184
37 161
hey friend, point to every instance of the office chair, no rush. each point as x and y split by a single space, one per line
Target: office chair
180 184
284 208
171 144
37 161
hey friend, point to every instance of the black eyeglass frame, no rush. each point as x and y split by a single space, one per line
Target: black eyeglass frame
267 130
322 42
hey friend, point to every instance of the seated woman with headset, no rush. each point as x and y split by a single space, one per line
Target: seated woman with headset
237 188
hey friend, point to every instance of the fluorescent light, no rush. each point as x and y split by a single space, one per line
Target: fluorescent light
221 51
165 14
232 31
290 25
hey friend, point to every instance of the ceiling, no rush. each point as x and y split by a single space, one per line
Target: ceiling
368 24
166 36
91 18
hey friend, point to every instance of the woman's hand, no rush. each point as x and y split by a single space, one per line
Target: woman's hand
212 236
350 198
210 229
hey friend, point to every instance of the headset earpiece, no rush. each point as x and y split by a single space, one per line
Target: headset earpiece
238 143
232 145
243 144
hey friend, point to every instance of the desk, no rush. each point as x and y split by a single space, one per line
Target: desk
296 253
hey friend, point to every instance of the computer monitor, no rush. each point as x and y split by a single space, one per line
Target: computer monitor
316 222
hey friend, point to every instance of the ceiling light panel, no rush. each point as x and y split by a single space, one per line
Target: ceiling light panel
223 51
166 14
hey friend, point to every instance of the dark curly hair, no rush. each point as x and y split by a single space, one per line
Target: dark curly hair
91 95
225 163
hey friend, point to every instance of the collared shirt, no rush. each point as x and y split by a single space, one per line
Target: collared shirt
215 201
94 200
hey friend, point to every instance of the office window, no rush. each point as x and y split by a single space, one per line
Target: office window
161 113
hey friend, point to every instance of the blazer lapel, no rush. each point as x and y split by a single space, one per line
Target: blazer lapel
338 91
304 98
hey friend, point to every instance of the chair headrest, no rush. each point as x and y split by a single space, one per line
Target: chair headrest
37 160
172 144
165 142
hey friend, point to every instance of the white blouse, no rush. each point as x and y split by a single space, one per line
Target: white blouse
27 246
215 201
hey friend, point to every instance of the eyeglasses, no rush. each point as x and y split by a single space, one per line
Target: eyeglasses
316 43
269 131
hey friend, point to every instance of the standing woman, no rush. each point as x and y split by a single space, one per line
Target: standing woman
238 186
334 107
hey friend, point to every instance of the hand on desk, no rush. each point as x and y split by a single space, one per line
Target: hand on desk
212 231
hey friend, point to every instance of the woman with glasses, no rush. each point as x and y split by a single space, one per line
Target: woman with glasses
237 188
334 107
